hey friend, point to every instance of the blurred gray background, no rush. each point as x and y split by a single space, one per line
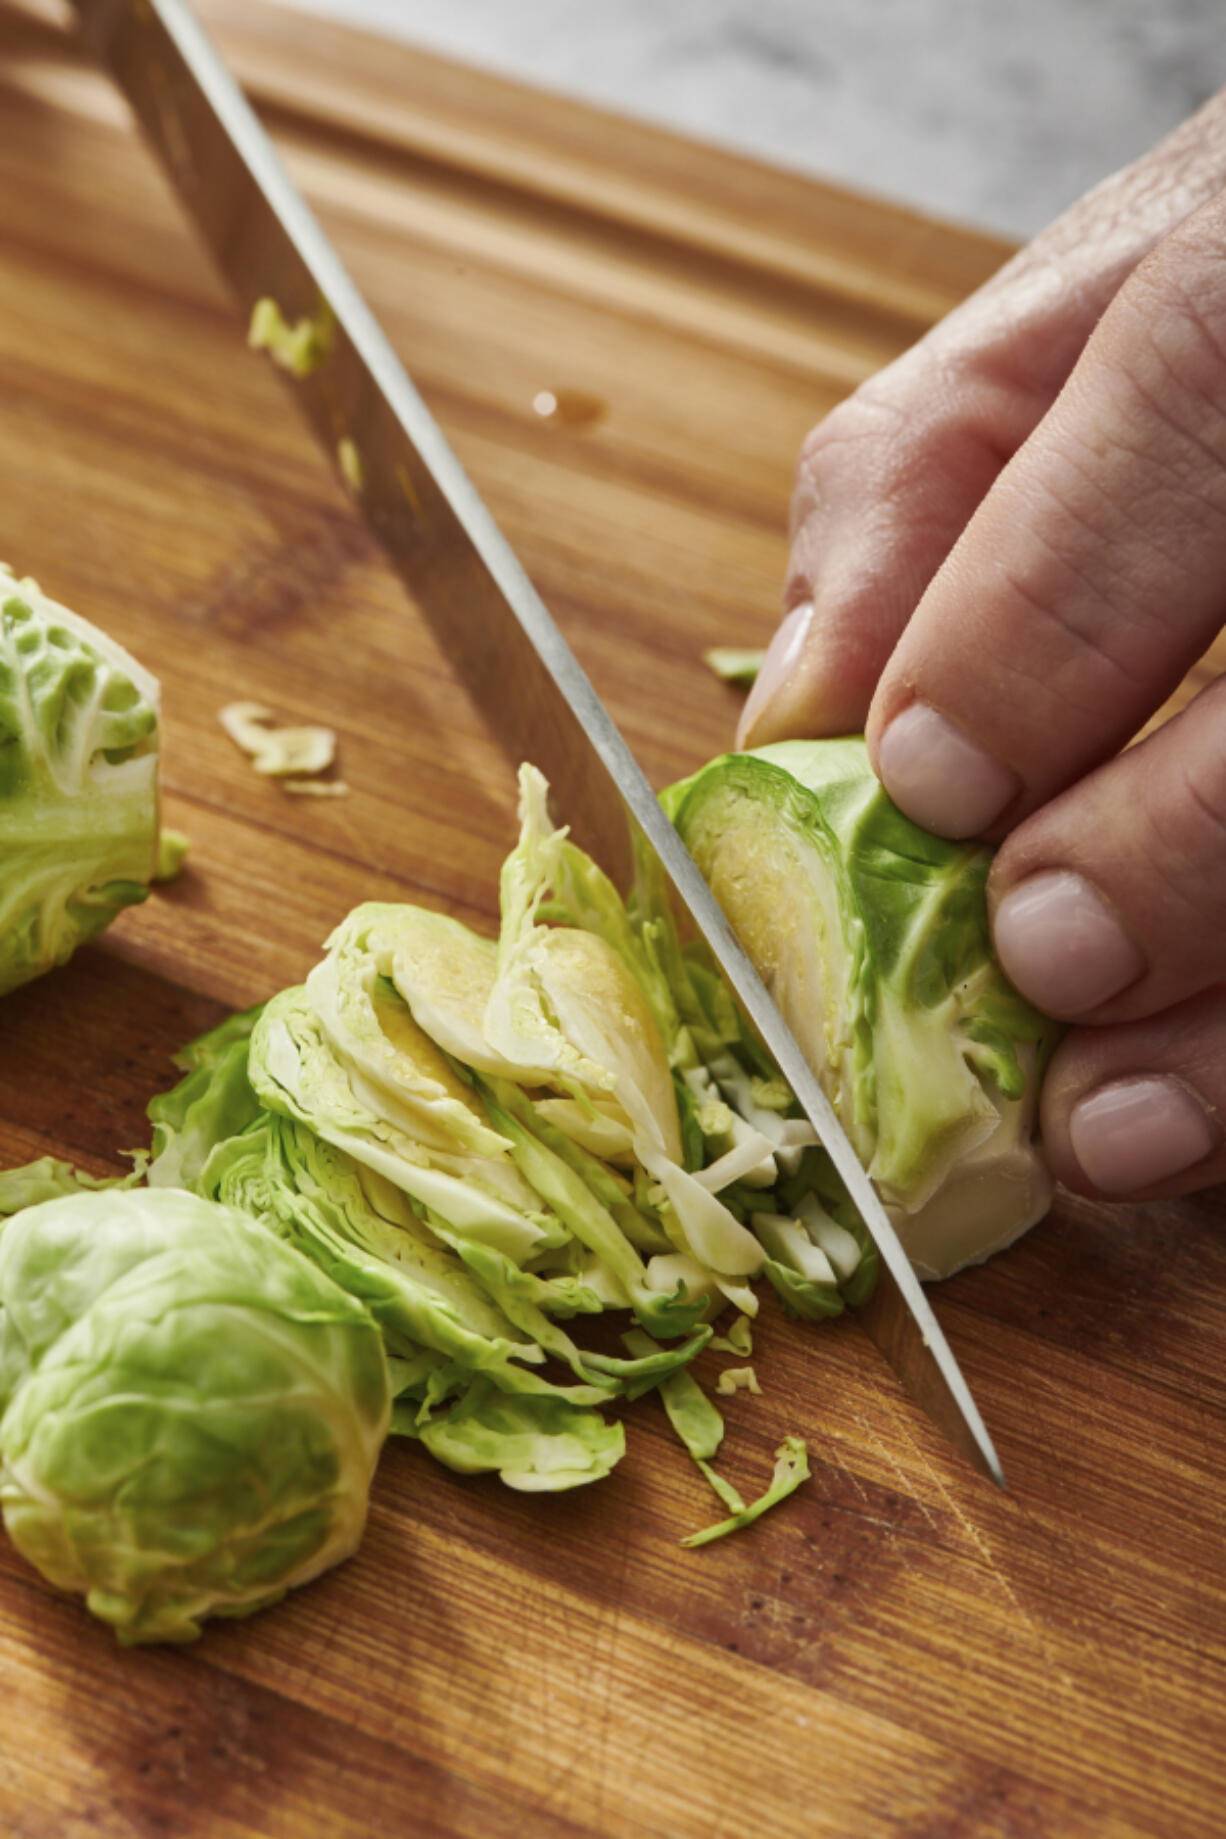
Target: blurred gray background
992 112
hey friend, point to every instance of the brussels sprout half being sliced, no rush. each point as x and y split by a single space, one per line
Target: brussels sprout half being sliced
872 937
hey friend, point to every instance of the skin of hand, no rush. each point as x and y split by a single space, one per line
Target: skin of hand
1007 550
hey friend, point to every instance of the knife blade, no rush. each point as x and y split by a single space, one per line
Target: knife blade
466 581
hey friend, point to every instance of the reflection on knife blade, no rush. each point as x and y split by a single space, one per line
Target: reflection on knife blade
466 580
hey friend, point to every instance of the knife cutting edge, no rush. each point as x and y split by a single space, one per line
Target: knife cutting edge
466 581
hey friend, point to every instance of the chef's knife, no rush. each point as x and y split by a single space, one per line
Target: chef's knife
465 579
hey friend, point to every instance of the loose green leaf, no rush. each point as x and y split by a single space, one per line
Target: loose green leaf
799 1270
275 751
733 666
723 1489
314 1196
562 1187
302 348
738 1340
51 1179
349 463
791 1468
389 1059
813 1302
173 849
295 1071
212 1102
538 1445
690 1412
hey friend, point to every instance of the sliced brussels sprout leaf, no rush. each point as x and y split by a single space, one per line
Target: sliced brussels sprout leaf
700 1224
294 1071
733 665
678 1275
693 1417
563 1188
640 1227
445 972
840 1247
537 1445
724 1490
814 1302
212 1102
419 1292
393 1066
738 1340
791 1468
174 847
51 1179
758 1101
518 1295
798 1270
277 751
570 1001
815 1189
787 1241
690 1412
301 348
698 1126
582 897
600 1129
749 1161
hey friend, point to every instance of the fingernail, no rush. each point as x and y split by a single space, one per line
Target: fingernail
941 778
782 656
1135 1133
1062 945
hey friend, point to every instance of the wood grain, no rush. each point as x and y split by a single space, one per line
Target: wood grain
901 1651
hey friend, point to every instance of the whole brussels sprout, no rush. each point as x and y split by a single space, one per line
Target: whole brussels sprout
192 1411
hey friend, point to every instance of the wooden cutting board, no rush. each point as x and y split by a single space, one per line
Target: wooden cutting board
900 1651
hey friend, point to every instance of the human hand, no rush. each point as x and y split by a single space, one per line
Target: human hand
1008 548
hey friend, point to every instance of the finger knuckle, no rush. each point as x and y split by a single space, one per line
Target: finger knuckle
863 458
1199 830
1184 808
840 458
864 418
1172 329
1087 639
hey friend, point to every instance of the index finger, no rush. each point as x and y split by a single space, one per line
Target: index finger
1092 575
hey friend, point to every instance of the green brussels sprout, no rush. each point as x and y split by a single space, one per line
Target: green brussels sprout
78 781
192 1411
872 937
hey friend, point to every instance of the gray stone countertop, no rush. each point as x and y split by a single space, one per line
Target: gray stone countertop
996 113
